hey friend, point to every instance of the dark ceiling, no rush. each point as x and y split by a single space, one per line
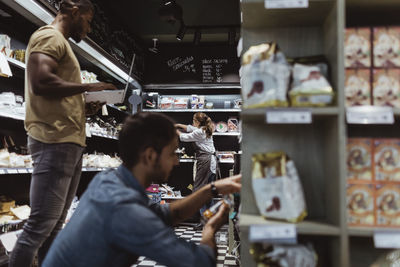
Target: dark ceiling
141 17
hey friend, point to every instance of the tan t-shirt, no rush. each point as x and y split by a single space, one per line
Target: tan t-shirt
50 119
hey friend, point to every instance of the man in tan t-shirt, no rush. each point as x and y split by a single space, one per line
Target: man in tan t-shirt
55 122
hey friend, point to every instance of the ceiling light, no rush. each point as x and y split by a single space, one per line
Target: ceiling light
181 32
170 11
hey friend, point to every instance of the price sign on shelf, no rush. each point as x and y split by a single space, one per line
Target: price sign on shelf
369 115
274 233
387 239
276 4
289 116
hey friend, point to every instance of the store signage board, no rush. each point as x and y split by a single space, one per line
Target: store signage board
273 233
387 239
276 4
288 116
369 115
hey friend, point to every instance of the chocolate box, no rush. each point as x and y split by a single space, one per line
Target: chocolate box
387 160
386 47
388 205
357 48
359 159
357 87
360 205
386 87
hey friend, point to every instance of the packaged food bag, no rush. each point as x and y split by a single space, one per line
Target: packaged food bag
284 255
309 87
265 77
277 187
389 259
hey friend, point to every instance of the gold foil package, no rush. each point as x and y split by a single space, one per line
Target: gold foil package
310 87
267 255
277 187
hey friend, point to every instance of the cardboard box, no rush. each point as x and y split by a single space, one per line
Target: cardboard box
357 48
386 47
386 87
388 205
387 160
360 205
357 87
359 159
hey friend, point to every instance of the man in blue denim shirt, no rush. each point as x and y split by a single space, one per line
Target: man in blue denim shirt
114 222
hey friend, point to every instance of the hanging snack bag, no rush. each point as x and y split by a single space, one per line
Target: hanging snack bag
265 77
310 88
277 187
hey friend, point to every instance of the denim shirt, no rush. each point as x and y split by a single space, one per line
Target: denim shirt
114 224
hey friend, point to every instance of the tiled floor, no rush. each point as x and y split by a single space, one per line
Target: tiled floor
188 233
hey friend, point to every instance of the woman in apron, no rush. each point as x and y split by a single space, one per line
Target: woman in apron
200 133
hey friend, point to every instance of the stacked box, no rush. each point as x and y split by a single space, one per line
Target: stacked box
386 47
357 48
388 205
357 87
387 160
360 205
386 87
359 159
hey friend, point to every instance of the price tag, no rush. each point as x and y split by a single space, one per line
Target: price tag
275 4
12 171
370 115
289 116
2 171
274 233
387 239
30 170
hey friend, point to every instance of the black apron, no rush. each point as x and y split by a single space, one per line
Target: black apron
203 172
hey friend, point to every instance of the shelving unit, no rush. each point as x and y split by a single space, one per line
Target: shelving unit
193 110
216 93
359 13
15 182
34 12
30 170
317 149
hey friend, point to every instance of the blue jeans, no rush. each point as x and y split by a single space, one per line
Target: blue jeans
55 178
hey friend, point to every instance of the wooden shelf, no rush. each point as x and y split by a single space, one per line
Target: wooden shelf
368 231
104 135
226 134
193 110
327 111
149 87
305 227
16 63
255 15
30 170
187 160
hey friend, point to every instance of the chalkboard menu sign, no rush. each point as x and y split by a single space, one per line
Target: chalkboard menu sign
193 64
